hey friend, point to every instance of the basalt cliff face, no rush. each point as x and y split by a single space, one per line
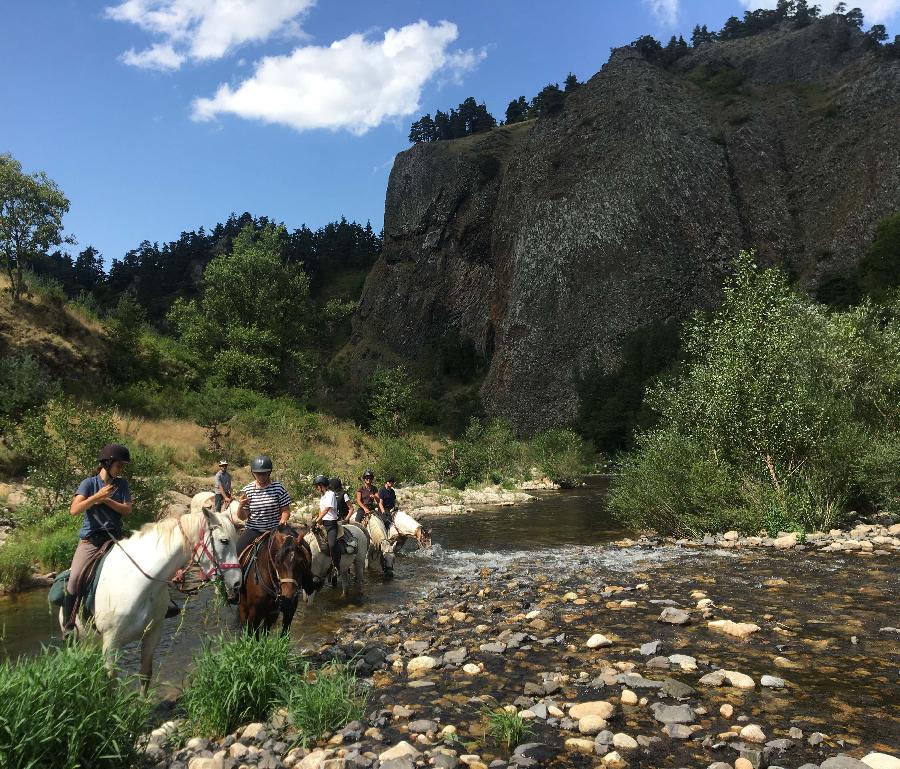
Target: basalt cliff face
547 242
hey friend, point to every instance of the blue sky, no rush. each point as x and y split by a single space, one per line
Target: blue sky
155 116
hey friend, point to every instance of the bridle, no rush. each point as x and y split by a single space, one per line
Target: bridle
197 553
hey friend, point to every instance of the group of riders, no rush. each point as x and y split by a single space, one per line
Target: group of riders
104 500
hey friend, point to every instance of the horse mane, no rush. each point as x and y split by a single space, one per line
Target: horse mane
168 531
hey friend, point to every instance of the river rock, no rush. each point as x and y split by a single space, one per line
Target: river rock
205 762
470 668
685 662
716 678
421 664
314 760
650 648
726 710
623 741
772 682
444 760
455 656
239 750
579 745
738 680
678 731
599 708
416 647
881 761
401 711
674 616
598 640
591 724
676 689
786 542
736 629
493 648
613 760
422 726
254 733
672 714
752 733
400 750
842 761
628 697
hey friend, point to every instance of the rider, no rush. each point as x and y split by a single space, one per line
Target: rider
367 498
265 504
222 486
388 498
341 499
328 517
102 499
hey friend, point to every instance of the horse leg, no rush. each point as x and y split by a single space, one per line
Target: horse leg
148 645
288 608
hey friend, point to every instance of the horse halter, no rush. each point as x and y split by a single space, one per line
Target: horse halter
199 550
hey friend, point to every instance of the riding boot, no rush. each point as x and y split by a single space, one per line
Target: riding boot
173 610
68 609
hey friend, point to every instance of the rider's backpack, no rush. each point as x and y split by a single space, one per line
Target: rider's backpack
343 509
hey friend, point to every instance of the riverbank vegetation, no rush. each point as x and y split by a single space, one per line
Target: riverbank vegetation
61 709
783 417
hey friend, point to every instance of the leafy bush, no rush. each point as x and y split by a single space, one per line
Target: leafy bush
486 452
390 400
23 385
405 459
325 700
61 442
149 478
54 551
559 454
16 560
61 709
236 680
756 431
46 287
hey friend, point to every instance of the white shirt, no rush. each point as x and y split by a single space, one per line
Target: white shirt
328 502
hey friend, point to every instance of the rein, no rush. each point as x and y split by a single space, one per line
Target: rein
178 580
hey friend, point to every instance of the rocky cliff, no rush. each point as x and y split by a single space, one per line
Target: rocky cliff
547 242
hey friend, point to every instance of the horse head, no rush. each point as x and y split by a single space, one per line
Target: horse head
284 553
423 537
218 553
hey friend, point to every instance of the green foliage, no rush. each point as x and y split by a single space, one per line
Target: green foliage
560 454
718 79
879 269
777 394
505 728
252 313
325 700
485 452
237 680
23 385
45 287
611 406
61 442
149 478
31 213
468 118
390 399
16 561
407 460
61 709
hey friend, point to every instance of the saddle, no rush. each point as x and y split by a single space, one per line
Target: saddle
85 601
345 540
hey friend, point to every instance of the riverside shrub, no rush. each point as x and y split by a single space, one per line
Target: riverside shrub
61 709
325 700
784 412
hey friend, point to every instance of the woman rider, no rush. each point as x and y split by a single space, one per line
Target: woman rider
328 517
264 504
102 499
367 497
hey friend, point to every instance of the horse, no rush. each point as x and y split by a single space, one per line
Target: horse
132 590
275 567
205 501
321 561
405 526
380 546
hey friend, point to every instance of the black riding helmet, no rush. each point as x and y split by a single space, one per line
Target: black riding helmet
368 474
390 479
335 484
320 480
114 452
261 464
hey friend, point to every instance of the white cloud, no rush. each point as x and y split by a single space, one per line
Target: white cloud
664 10
203 29
876 11
355 83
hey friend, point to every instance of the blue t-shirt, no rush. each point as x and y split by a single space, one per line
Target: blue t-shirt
388 498
101 517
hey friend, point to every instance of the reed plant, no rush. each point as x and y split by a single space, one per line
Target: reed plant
61 709
505 727
324 700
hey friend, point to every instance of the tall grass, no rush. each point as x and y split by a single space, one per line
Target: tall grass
506 728
325 700
61 710
237 680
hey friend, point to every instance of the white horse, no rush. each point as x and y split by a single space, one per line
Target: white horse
205 501
380 545
321 561
133 589
405 526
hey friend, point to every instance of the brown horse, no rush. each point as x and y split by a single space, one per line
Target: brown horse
275 567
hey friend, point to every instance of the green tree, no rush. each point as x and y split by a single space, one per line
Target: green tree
571 83
31 212
252 314
390 401
517 111
549 100
879 269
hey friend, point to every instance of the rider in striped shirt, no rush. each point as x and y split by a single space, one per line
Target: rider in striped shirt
264 504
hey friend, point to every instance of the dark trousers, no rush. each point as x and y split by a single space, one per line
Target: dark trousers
331 531
217 503
246 538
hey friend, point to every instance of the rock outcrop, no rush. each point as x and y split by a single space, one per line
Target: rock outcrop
547 242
